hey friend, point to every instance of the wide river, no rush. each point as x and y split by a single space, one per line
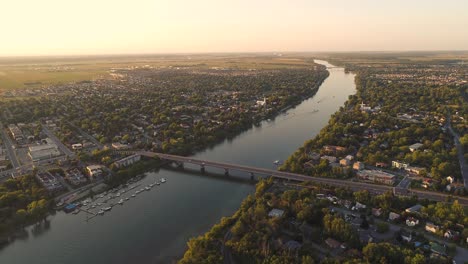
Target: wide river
155 226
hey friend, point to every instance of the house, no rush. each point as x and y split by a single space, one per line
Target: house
349 157
332 243
399 164
359 206
119 146
381 165
358 165
393 216
415 170
333 149
94 171
427 182
414 208
330 159
276 213
430 227
314 156
411 221
450 179
450 234
345 162
415 147
77 146
455 186
377 212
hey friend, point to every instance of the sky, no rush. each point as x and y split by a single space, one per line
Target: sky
74 27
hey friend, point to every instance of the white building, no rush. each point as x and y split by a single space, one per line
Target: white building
45 151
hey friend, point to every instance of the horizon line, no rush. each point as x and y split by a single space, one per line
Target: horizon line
223 52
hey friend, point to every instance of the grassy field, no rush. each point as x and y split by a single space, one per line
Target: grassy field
35 72
32 72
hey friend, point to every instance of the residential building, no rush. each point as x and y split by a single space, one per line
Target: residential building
345 162
415 147
330 159
276 213
332 243
334 149
399 165
393 216
358 165
430 227
411 221
94 171
414 208
415 170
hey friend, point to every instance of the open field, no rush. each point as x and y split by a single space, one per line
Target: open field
36 72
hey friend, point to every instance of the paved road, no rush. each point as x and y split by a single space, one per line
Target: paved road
460 153
86 135
59 143
373 188
404 183
9 147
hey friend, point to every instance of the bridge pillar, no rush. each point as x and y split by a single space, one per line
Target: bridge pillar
202 168
252 176
226 172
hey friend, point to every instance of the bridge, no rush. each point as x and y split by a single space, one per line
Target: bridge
355 186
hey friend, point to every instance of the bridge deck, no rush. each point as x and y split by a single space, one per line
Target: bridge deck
300 177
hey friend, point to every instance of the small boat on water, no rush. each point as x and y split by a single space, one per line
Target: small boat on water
107 208
158 183
133 195
147 188
121 201
151 185
277 162
126 199
101 212
163 180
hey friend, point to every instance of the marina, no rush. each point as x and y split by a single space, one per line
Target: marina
92 207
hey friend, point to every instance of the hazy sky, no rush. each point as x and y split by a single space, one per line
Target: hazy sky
59 27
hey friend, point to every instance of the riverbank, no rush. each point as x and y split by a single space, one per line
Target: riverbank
190 203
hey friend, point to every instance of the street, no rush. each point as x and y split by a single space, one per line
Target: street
59 143
9 148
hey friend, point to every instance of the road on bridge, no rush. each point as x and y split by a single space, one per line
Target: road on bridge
374 188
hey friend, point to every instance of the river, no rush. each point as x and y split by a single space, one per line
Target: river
155 226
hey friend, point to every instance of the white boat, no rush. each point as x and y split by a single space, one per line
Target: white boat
147 188
107 208
163 180
158 183
133 195
101 212
126 199
121 201
151 185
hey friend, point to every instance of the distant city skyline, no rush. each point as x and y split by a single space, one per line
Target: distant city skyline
55 27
